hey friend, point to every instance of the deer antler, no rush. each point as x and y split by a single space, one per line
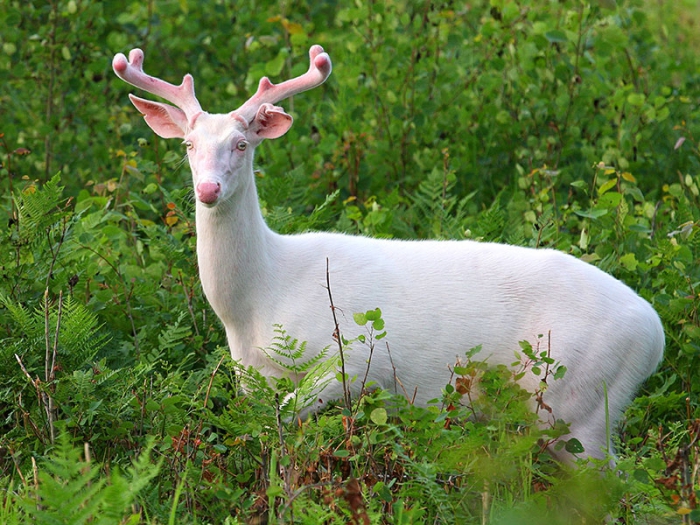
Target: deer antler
131 71
269 93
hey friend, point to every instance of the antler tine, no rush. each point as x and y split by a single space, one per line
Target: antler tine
319 69
131 71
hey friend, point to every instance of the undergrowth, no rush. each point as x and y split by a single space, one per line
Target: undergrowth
564 124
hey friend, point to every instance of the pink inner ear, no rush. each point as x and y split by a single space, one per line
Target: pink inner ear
271 122
166 120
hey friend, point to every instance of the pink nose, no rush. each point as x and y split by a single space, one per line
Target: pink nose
208 192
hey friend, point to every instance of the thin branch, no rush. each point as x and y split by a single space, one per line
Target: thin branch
211 380
52 370
21 365
50 360
339 339
54 254
397 381
40 398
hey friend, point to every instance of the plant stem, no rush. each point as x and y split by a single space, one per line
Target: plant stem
339 339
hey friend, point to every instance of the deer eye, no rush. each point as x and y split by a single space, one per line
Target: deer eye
242 145
188 144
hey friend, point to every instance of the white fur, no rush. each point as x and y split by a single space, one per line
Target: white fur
438 298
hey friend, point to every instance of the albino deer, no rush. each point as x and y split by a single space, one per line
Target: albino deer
438 298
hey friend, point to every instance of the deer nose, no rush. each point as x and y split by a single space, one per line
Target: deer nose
208 192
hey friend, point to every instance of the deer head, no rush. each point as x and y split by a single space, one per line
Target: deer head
219 146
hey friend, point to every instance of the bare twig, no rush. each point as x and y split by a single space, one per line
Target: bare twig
54 253
21 365
397 381
40 398
47 337
54 351
339 339
35 472
189 293
284 471
369 363
50 361
211 380
18 469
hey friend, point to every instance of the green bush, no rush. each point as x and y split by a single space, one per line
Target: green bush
564 124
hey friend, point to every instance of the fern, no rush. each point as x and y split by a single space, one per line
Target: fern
71 490
491 222
23 319
312 374
305 378
439 207
174 335
39 208
285 220
79 336
290 351
68 489
292 187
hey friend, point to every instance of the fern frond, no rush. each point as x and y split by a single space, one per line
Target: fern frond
80 338
71 489
24 320
439 207
491 222
173 336
39 207
289 352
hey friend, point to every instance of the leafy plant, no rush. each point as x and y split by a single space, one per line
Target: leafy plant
562 124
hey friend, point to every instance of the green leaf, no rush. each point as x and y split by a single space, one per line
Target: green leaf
360 318
592 213
636 99
373 315
274 67
13 18
379 416
640 475
607 186
611 199
556 36
629 261
574 446
274 491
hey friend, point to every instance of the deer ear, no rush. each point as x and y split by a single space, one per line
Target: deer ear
167 121
271 122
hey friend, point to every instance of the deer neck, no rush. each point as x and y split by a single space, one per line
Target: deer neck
234 248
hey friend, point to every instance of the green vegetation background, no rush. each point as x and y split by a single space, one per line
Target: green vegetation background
561 124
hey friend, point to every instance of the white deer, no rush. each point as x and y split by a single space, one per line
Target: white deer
439 298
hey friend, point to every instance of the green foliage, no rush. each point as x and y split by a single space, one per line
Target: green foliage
70 490
562 124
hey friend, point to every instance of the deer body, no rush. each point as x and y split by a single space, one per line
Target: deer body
439 298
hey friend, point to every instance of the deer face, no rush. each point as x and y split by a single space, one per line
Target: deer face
220 155
219 147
